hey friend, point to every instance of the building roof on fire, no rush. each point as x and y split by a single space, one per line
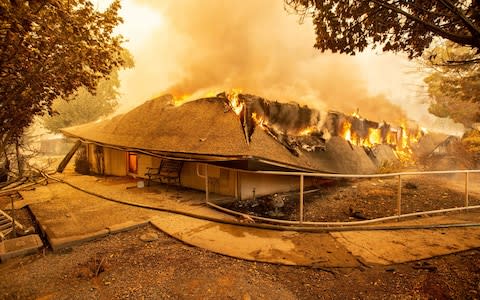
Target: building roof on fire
208 129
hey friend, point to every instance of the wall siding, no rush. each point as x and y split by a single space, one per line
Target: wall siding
220 181
92 158
266 184
115 162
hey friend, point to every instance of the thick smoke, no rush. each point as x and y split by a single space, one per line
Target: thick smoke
256 46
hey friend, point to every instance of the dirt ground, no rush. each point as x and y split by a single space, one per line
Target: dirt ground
122 266
347 200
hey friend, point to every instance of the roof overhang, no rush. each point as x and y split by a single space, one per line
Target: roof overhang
250 163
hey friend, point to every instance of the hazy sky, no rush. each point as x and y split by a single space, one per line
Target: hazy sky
195 47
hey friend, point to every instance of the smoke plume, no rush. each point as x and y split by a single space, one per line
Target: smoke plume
210 46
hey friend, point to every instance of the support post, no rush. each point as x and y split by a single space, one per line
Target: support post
399 196
69 156
466 189
301 199
206 183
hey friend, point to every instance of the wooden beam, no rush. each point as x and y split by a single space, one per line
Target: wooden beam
68 157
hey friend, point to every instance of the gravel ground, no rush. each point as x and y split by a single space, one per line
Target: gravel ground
122 266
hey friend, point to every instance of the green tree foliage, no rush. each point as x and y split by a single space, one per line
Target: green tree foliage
472 139
395 25
48 50
84 107
454 83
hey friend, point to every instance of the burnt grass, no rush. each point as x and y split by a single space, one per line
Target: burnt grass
349 200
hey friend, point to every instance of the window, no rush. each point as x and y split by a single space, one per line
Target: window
132 163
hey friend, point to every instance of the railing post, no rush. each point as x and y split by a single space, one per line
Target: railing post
466 189
301 199
399 196
206 183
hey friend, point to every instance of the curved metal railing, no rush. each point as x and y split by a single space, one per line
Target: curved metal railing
397 216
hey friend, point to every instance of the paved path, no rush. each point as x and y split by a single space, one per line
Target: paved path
70 217
285 247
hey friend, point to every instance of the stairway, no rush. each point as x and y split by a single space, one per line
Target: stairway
6 225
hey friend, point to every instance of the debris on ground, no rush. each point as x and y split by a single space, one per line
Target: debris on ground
123 266
149 237
362 199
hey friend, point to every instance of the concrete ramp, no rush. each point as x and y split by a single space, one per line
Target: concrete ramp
283 247
398 246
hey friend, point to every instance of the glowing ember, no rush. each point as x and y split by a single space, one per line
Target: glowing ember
307 131
235 104
258 120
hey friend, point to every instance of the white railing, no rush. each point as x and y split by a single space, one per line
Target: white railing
398 214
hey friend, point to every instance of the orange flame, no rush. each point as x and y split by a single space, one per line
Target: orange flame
374 137
405 139
235 104
258 120
179 100
346 132
307 131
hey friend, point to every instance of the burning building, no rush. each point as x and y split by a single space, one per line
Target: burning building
230 136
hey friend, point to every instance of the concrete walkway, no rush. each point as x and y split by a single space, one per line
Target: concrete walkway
285 247
70 217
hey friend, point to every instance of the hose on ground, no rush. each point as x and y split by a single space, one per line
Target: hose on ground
308 229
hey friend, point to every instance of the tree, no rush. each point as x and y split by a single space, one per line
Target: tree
84 107
48 50
454 83
395 25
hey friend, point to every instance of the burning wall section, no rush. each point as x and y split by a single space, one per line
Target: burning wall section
300 128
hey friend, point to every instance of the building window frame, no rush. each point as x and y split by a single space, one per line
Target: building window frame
132 163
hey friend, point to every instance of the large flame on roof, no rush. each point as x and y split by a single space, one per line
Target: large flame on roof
401 138
180 99
354 129
235 103
346 131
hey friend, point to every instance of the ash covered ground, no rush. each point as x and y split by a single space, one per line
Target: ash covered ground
349 200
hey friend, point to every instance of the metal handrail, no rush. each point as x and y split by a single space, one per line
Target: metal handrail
398 215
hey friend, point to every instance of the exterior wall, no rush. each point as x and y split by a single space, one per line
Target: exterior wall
92 160
115 162
220 181
144 161
265 184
